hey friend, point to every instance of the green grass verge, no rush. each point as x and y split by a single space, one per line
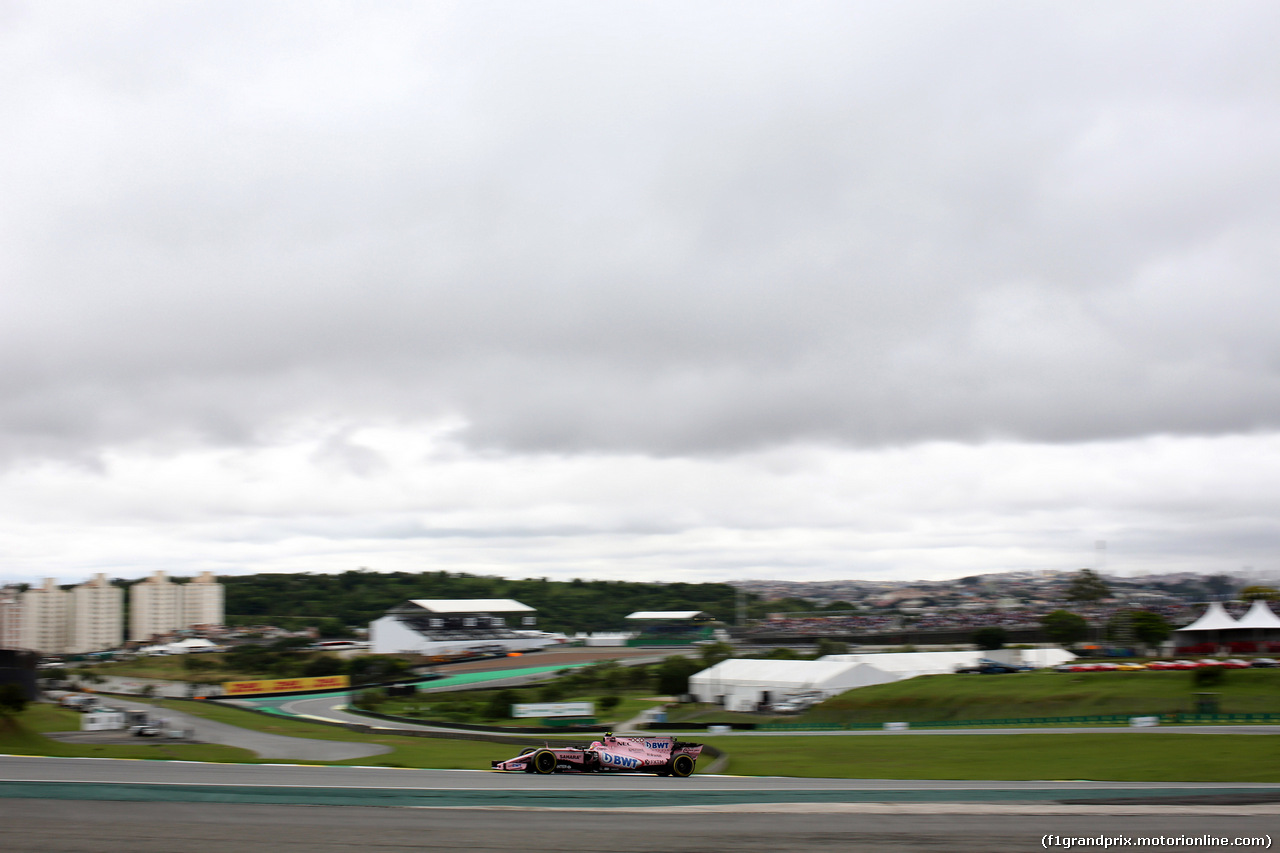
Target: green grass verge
1044 694
435 753
1138 757
23 734
470 707
172 668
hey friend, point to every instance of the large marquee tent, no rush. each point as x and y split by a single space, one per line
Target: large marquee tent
1218 632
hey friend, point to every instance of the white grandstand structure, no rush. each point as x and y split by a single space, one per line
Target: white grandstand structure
452 627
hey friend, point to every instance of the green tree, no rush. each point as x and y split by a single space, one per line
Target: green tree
1064 627
499 707
713 653
372 669
990 638
828 646
674 673
639 677
1150 629
1087 586
322 666
1260 593
551 692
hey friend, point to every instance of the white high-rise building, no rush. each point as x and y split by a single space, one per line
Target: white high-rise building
159 606
97 616
45 627
10 618
202 601
154 607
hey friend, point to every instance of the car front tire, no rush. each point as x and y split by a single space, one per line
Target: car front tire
544 761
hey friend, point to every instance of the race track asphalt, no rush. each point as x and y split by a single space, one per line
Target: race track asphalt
98 827
111 806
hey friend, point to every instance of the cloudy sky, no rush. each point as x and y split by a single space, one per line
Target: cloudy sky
660 291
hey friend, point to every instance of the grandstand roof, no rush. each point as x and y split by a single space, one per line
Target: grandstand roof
668 614
471 605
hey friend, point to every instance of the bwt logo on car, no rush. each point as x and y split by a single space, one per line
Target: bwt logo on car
620 761
657 744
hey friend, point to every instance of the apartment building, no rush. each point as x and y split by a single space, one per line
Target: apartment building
10 617
158 606
202 601
97 616
155 607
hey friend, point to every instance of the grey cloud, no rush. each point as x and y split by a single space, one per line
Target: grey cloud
660 228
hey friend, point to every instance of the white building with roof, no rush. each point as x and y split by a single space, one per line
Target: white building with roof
457 626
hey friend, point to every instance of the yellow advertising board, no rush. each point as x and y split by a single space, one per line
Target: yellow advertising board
285 685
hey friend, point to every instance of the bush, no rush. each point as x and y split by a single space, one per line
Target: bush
499 707
674 672
13 699
552 692
990 639
608 703
323 666
1209 676
369 700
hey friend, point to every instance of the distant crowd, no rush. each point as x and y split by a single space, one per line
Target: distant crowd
953 620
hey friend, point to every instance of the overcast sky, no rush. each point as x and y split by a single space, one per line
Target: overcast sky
656 291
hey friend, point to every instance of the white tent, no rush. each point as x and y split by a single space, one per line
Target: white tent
1216 618
911 664
191 644
744 684
1259 616
1043 658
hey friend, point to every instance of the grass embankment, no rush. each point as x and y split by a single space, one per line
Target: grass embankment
175 668
1145 756
23 734
1045 694
474 706
1137 757
436 753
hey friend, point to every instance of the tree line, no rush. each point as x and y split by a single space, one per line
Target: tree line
354 598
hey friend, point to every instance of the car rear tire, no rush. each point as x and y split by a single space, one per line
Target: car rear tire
544 761
682 765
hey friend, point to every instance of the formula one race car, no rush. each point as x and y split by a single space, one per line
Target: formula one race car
665 756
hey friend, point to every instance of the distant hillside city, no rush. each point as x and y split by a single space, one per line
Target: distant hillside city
93 615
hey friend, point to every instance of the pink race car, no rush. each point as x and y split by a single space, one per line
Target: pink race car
665 756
